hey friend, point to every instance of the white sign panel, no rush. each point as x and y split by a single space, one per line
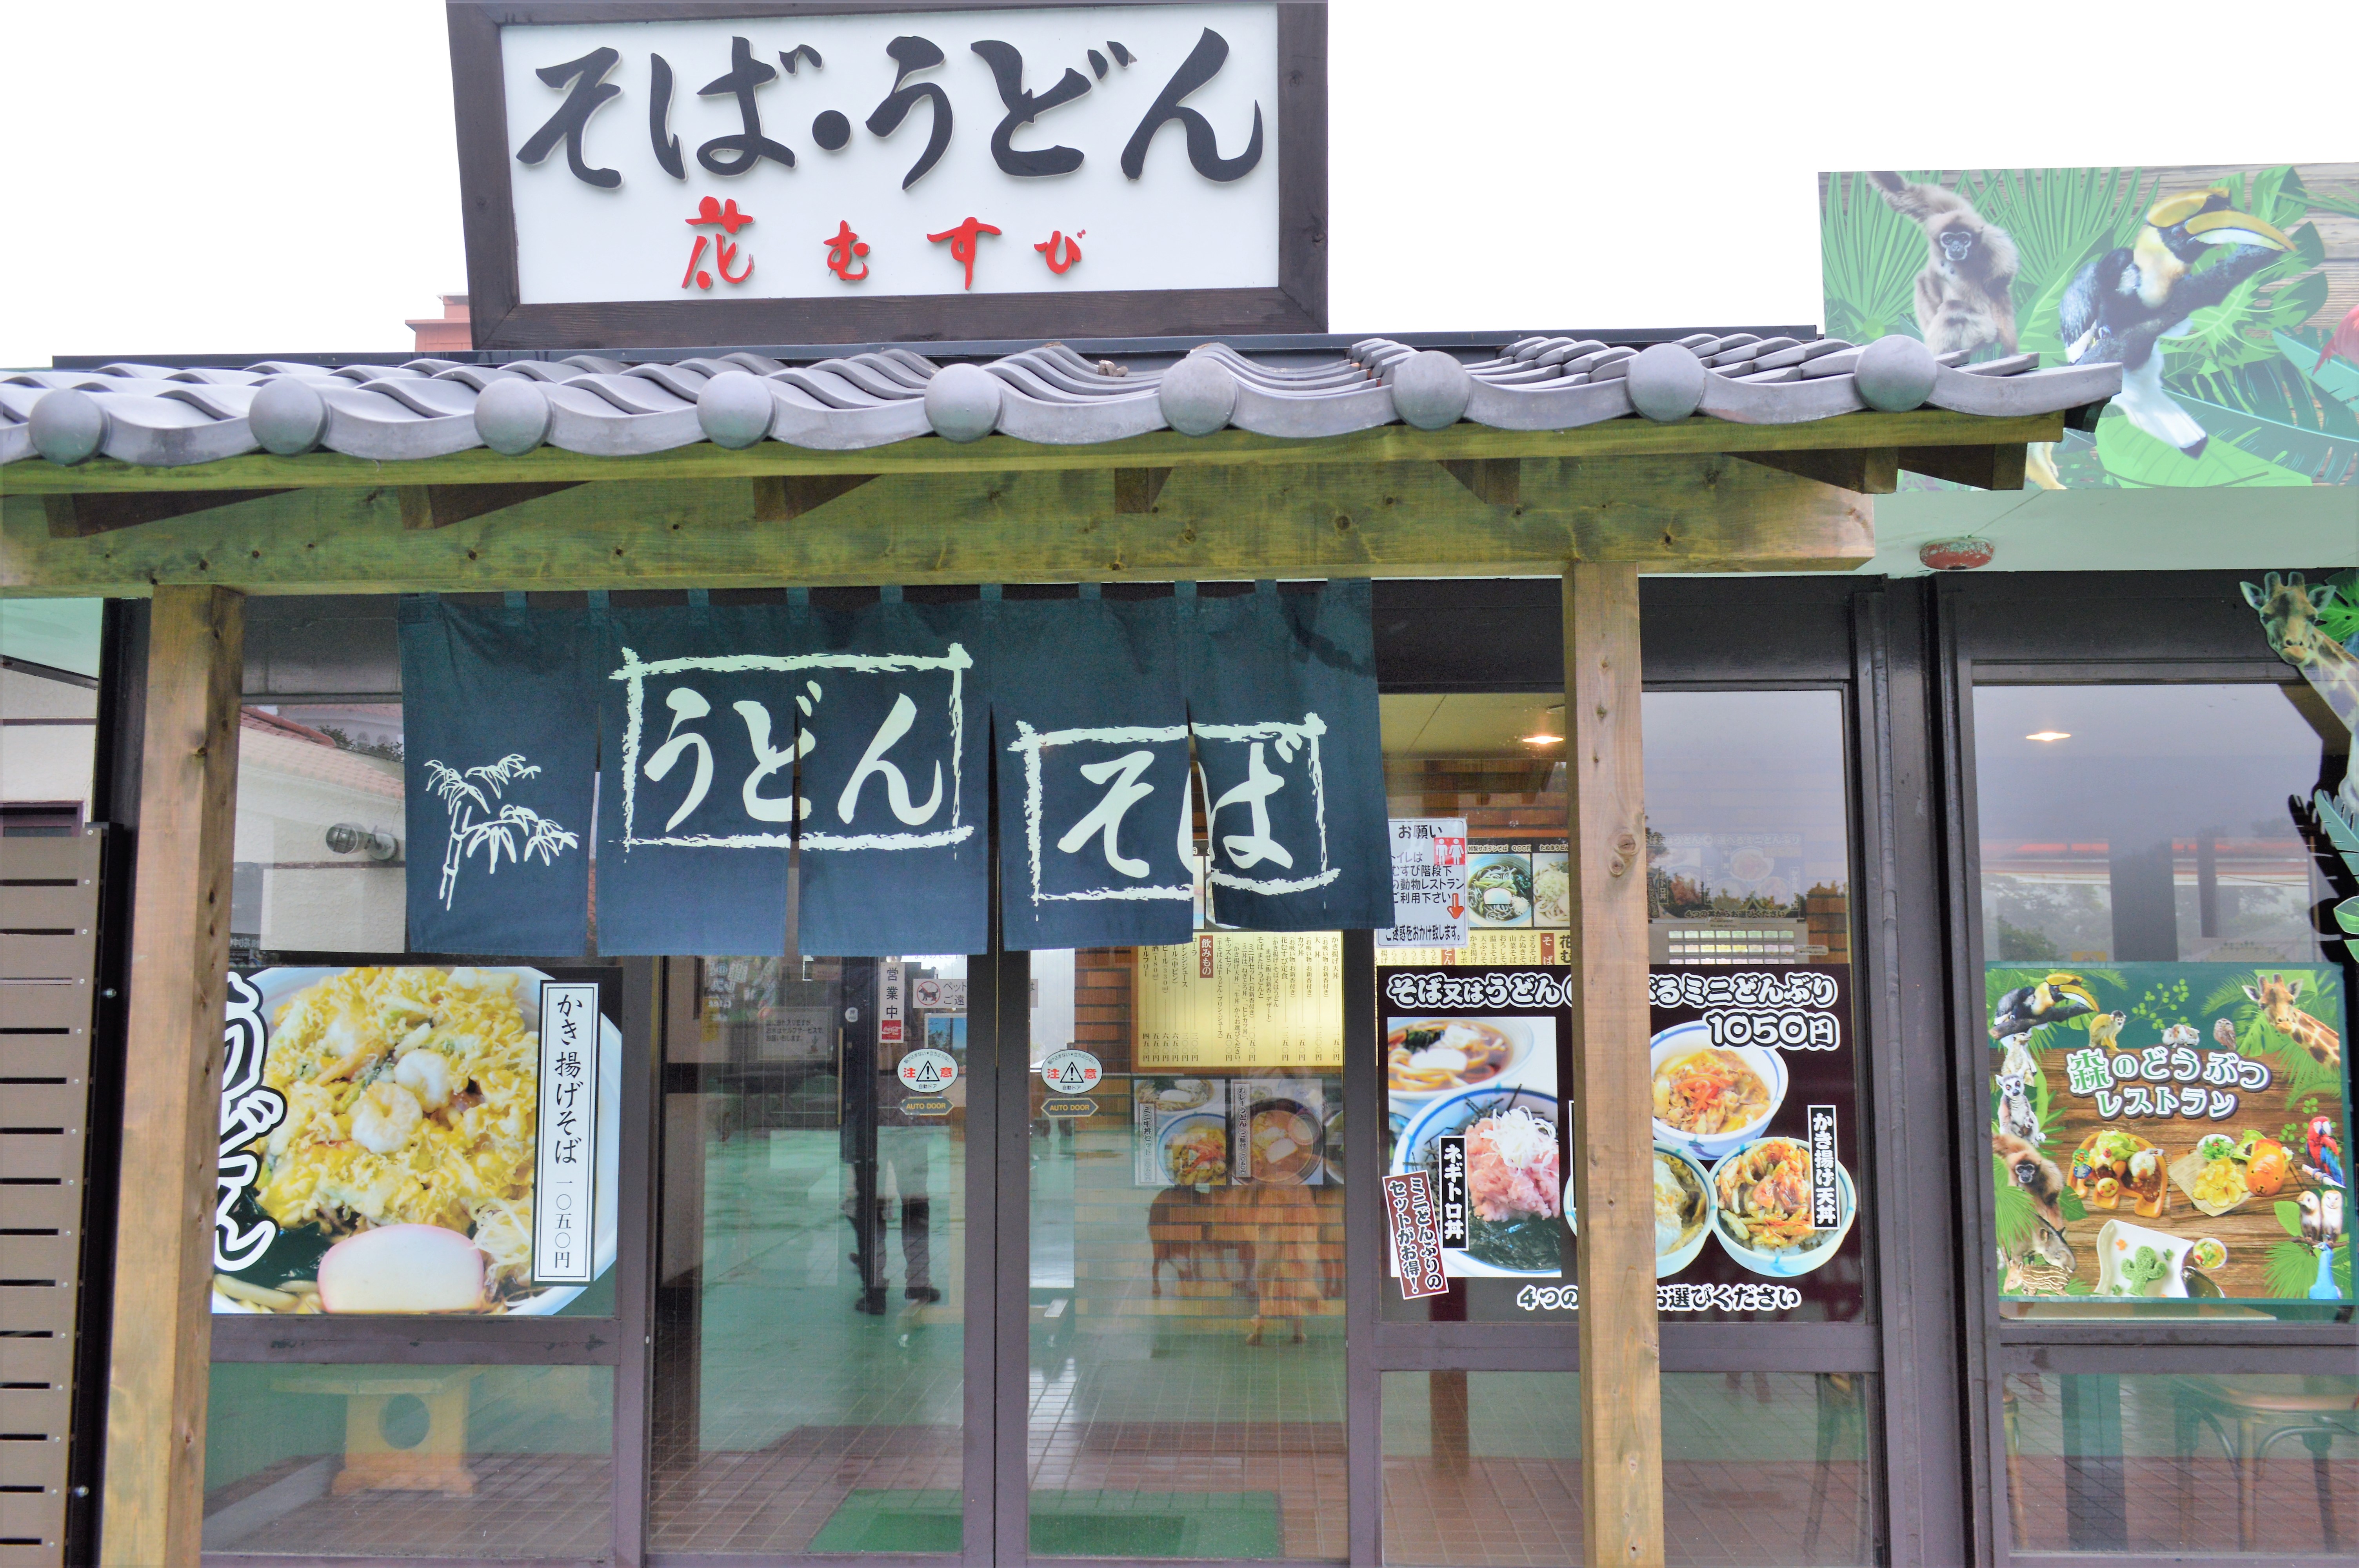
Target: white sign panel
1079 149
1429 884
891 1003
566 1162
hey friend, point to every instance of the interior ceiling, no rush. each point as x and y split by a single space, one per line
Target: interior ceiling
1471 724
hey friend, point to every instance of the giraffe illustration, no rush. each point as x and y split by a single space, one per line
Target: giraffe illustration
2288 611
2276 998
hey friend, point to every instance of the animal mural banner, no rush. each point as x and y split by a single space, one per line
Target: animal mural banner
416 1139
855 744
2229 296
2170 1131
1755 1131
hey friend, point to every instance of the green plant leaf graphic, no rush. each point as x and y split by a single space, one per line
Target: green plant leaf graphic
2288 1215
2136 460
2338 378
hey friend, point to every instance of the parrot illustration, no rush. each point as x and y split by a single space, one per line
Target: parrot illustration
2052 1001
2345 342
2325 1153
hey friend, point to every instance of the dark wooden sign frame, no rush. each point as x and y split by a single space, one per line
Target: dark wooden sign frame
1298 304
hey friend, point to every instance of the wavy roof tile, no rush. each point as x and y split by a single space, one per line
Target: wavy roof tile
159 416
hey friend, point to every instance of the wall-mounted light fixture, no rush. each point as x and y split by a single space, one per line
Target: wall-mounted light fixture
350 839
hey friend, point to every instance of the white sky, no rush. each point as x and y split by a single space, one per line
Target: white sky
247 177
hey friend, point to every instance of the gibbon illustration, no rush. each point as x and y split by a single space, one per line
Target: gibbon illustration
1963 299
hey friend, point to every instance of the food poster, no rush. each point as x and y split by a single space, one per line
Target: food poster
1212 1132
1756 1134
1517 883
381 1127
2168 1131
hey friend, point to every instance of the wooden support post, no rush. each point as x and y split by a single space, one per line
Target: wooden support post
154 1511
1613 1123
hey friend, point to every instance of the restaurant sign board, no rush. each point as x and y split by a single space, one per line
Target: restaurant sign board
822 176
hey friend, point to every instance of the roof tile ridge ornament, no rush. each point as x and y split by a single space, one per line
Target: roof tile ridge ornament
1430 390
735 409
963 403
513 415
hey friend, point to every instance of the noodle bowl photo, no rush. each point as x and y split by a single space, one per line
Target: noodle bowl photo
1428 1056
1515 1177
1710 1098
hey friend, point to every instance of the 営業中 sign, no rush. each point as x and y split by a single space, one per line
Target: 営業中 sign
983 171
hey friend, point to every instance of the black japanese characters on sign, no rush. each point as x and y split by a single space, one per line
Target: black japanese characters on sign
858 739
1826 1194
1453 1189
587 91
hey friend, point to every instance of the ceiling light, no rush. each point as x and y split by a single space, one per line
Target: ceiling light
2050 735
1541 740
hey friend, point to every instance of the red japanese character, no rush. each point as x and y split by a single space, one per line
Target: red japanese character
1049 250
842 248
963 243
707 210
711 212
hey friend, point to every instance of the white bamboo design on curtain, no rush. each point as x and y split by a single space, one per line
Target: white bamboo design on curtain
517 831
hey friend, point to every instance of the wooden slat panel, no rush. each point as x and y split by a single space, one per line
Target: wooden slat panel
47 1359
26 957
34 1409
39 1206
53 1257
1005 454
44 857
42 1004
33 1464
1669 514
154 1501
47 906
44 1055
37 1306
43 1105
42 1156
1621 1351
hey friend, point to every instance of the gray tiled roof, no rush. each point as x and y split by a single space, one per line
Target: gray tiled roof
159 417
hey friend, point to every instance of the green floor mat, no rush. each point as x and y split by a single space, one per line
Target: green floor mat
899 1521
1156 1524
1067 1524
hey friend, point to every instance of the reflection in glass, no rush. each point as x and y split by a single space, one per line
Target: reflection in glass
319 851
809 1309
2241 1462
474 1462
2128 822
1483 1469
1186 1272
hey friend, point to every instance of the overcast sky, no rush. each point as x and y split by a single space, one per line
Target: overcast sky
246 178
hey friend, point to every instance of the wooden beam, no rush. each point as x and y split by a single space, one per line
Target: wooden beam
80 516
1613 1164
1696 436
1134 490
1498 482
1984 467
1870 470
153 1509
782 498
1667 515
439 505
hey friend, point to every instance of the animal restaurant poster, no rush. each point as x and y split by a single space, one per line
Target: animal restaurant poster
2229 296
1756 1137
416 1139
2167 1130
861 741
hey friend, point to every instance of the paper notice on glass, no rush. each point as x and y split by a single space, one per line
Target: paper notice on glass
1429 884
565 1188
1241 1000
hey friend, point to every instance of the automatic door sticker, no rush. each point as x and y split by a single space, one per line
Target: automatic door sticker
927 1071
1071 1072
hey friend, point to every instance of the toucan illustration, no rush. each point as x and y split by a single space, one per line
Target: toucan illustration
2119 305
2052 1001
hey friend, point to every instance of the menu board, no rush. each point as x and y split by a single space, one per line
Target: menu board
2170 1131
1218 1132
1238 999
1756 1135
416 1139
1517 882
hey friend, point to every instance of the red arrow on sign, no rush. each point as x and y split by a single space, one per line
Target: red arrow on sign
1457 908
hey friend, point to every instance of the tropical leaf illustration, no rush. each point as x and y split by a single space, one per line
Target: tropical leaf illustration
2337 378
2136 460
2292 1269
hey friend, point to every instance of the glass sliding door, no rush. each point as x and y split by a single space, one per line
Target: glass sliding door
810 1363
1185 1270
